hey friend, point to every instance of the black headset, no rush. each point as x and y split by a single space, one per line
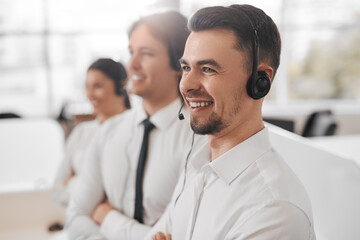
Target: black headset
259 83
119 88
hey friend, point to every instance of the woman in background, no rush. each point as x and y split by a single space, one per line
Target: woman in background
105 83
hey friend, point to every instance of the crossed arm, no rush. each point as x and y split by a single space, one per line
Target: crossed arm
101 211
88 216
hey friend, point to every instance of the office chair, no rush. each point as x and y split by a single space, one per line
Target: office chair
7 115
283 123
320 123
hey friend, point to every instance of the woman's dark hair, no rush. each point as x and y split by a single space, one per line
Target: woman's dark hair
116 72
169 28
242 20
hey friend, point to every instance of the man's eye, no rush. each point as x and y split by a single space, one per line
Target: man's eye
147 54
208 70
98 85
185 68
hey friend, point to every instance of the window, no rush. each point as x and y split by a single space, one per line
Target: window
47 45
323 49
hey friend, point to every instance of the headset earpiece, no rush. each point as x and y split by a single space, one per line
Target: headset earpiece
119 89
258 85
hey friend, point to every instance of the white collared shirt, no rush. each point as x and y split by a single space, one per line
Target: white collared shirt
76 144
111 172
248 192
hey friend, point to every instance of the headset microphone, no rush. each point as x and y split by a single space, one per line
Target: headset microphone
180 115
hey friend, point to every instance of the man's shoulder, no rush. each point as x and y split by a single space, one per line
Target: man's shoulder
278 216
278 176
282 184
276 197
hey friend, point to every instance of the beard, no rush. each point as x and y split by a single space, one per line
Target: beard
216 122
214 125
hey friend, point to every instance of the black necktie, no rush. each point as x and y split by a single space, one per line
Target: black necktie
139 215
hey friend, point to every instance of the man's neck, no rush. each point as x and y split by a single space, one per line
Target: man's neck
222 142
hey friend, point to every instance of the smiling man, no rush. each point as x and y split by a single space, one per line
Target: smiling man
237 186
132 167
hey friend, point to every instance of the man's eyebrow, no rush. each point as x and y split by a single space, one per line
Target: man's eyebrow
147 48
182 61
142 48
210 62
203 62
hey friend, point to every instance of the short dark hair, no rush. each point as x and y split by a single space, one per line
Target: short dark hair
116 72
241 19
171 29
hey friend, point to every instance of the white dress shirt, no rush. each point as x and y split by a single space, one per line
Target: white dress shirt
248 192
76 145
111 172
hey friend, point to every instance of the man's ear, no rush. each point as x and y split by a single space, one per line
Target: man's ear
266 68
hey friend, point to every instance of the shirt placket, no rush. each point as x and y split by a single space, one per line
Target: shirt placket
198 194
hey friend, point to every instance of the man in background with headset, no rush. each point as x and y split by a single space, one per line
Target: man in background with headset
134 163
237 186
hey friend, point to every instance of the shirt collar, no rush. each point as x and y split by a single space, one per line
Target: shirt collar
163 118
201 156
232 163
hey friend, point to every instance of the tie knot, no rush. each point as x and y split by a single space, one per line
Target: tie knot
148 126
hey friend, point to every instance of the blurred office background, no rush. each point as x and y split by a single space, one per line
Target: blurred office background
47 45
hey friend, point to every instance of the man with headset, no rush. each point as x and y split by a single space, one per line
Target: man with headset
237 186
134 162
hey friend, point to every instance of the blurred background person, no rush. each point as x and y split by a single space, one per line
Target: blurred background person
131 172
105 89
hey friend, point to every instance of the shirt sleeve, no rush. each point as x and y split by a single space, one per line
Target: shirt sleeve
163 225
60 192
88 193
278 220
118 226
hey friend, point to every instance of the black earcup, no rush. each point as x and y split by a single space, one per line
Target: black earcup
259 85
119 89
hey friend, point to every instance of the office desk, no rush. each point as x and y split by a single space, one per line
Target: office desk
28 215
30 152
